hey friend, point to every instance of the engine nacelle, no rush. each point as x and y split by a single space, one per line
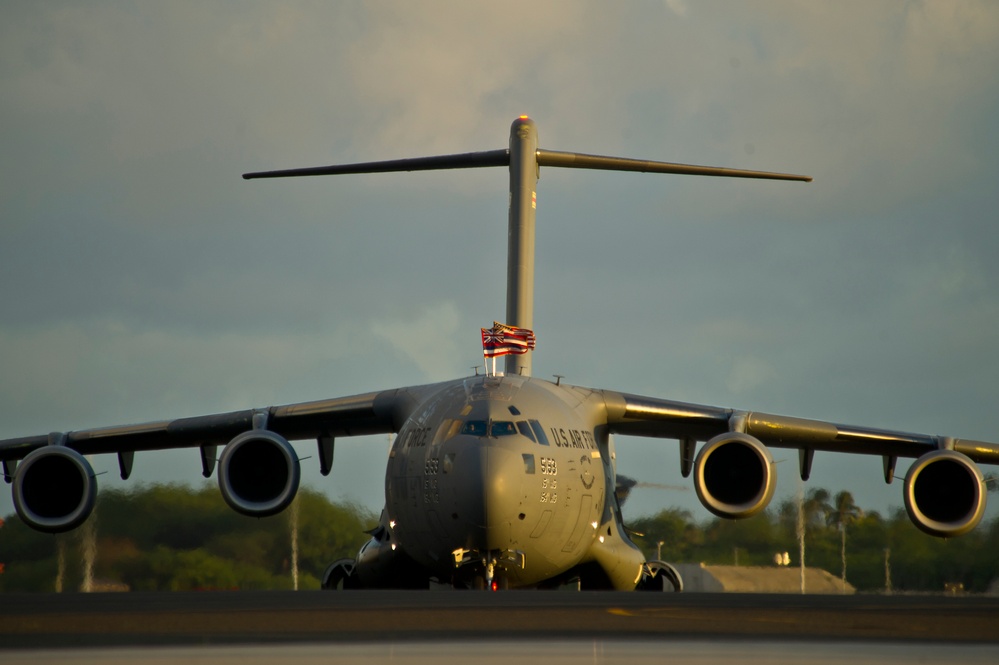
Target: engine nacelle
54 489
944 493
734 475
259 473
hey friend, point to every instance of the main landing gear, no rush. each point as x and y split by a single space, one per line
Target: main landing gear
659 576
340 576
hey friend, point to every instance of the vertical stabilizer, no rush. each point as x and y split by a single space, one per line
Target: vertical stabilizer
520 249
524 160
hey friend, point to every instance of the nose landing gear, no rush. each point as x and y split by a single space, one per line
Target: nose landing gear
493 562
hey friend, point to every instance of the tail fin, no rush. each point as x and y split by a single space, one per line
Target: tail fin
524 160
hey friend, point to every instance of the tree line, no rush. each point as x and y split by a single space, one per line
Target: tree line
173 537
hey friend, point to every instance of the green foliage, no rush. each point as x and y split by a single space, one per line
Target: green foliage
29 574
679 536
172 537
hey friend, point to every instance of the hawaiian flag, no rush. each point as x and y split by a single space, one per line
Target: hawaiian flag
502 340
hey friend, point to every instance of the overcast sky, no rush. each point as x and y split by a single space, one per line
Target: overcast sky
141 278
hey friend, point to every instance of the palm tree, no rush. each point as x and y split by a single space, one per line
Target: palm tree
844 511
816 504
806 511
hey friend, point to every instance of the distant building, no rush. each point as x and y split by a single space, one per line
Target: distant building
698 577
105 586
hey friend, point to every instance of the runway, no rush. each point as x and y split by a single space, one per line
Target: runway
553 627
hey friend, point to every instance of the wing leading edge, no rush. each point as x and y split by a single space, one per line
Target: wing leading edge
649 416
371 413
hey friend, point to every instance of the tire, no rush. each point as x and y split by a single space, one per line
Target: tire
340 575
659 576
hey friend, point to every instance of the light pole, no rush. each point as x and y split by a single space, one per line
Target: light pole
887 571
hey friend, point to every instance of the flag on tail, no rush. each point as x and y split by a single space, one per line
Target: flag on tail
502 340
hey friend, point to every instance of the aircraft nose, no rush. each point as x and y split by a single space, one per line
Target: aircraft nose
487 483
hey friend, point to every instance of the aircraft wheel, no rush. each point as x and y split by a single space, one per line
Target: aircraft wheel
659 576
340 575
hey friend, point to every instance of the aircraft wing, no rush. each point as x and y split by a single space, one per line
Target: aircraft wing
370 413
55 488
649 416
347 415
735 475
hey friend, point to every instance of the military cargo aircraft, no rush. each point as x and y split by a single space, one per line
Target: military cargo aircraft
501 480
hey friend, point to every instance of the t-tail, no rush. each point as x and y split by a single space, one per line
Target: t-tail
524 160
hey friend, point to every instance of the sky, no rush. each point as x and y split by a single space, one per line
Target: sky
141 278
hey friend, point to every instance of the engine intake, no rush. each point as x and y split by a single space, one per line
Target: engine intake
259 473
944 493
734 475
54 489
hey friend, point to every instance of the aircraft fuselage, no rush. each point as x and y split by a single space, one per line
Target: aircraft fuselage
505 478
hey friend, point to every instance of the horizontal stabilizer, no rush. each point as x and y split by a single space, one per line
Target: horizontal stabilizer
468 160
575 160
569 160
524 160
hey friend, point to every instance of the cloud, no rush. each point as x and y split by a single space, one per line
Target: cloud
678 7
748 374
427 340
141 278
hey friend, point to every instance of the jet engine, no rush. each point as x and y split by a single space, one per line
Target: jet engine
54 489
734 475
944 493
259 473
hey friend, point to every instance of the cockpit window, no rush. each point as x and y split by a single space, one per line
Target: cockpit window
474 427
525 429
447 429
453 429
539 432
503 428
493 427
